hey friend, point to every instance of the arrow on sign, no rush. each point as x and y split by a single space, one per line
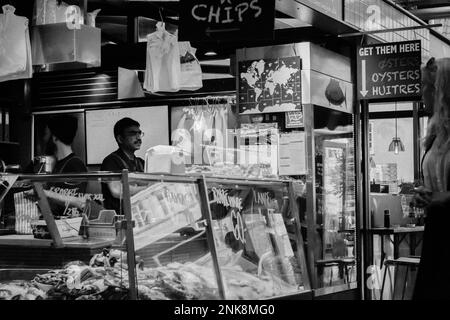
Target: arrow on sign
363 78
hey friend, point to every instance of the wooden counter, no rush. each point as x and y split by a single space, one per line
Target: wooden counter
73 242
25 251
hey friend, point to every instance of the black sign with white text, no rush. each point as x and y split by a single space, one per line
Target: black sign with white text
210 20
389 70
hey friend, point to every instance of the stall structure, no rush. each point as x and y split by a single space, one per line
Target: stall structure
327 158
280 102
179 238
388 213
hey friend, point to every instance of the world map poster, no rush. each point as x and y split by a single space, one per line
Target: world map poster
270 85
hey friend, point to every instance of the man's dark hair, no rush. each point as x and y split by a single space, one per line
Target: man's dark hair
123 124
63 127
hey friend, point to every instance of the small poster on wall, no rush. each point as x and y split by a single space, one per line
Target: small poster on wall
292 154
294 119
270 85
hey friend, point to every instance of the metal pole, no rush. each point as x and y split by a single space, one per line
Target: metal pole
299 238
355 34
416 139
131 260
367 248
206 213
311 194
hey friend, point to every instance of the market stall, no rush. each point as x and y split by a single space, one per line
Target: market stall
193 238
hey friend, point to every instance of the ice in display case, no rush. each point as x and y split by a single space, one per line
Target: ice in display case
177 237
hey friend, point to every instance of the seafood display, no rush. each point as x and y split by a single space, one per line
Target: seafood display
106 278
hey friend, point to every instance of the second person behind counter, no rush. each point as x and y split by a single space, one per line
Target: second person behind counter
128 136
63 129
61 132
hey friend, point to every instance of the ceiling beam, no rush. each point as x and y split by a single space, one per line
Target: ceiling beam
432 13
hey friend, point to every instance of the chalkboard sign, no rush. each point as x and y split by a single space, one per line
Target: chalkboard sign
389 70
163 208
250 231
209 20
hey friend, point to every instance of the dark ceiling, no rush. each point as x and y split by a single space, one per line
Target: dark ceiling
427 9
125 23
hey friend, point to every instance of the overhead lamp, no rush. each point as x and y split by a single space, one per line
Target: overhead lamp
210 53
396 144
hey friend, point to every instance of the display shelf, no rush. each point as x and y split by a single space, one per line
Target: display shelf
9 143
75 242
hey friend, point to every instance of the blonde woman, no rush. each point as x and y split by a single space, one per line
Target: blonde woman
433 280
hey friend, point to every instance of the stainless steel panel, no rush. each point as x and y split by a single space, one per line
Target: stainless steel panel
57 44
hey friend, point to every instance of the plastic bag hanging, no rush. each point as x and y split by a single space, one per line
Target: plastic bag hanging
15 47
191 71
54 11
163 70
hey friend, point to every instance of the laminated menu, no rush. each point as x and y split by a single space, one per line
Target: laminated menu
250 236
163 208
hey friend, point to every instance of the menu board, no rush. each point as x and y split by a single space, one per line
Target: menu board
212 20
258 144
250 232
163 208
292 153
389 70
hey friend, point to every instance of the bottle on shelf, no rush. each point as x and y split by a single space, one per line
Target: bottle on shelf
387 219
412 215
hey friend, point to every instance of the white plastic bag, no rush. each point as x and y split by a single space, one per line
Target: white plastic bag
191 71
91 17
163 159
49 11
15 47
163 70
26 211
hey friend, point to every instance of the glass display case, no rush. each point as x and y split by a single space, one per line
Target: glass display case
257 239
172 237
58 241
211 238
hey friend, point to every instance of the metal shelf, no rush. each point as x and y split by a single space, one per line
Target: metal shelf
9 143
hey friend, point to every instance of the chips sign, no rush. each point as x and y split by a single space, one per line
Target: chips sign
389 71
210 20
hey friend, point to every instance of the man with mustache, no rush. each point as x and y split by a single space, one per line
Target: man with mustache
129 138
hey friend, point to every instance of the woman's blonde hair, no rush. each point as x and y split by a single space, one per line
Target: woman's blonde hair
439 125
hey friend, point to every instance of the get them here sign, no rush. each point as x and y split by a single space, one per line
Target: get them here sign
389 70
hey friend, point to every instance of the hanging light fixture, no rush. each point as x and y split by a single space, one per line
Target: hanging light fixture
396 144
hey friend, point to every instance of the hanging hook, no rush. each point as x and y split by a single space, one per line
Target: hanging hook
362 39
7 8
161 15
395 119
